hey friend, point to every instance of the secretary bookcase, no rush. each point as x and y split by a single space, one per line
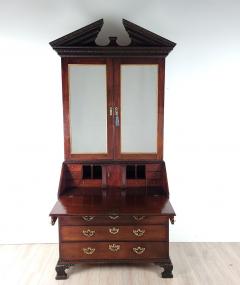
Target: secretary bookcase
113 198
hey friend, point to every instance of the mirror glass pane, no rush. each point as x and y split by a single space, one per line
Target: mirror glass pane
88 108
139 101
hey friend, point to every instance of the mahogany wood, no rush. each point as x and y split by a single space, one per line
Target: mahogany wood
114 175
73 251
135 183
114 233
66 108
62 182
117 100
161 80
113 100
98 206
82 43
134 220
154 175
154 167
89 206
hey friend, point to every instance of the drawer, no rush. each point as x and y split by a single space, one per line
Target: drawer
113 220
75 168
154 175
153 167
74 251
153 182
114 233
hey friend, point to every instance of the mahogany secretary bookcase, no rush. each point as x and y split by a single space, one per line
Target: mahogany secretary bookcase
113 198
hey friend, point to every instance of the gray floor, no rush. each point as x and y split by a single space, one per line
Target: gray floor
194 264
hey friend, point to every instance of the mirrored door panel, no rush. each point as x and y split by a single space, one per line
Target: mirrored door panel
87 85
139 109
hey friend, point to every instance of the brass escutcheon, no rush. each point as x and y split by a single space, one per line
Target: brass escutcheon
88 218
138 232
114 247
139 250
88 250
138 218
88 233
113 217
113 230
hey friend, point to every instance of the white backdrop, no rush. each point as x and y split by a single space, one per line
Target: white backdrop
202 133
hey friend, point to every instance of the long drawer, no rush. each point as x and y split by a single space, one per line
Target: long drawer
114 233
113 220
74 251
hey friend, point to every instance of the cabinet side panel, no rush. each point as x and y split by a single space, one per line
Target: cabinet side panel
161 80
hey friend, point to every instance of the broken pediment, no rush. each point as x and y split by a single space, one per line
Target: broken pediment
82 42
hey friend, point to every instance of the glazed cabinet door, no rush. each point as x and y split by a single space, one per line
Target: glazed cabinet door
139 105
88 115
113 109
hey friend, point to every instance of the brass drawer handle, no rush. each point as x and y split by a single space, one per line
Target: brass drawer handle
138 232
113 217
114 230
138 218
88 218
139 250
88 250
88 233
114 247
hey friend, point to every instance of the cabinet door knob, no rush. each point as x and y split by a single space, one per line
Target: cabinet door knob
138 218
88 218
138 232
117 121
114 230
88 250
114 247
139 250
110 111
88 233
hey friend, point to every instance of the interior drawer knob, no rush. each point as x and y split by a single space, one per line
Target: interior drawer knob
88 218
88 250
114 247
138 218
113 217
139 250
114 230
138 232
88 233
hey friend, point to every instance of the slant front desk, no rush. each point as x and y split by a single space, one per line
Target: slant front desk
113 199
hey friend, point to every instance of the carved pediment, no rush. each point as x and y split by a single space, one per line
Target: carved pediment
83 42
142 37
85 36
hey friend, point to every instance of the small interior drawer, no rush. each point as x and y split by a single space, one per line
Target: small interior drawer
154 175
153 167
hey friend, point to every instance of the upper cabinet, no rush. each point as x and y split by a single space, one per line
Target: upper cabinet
113 96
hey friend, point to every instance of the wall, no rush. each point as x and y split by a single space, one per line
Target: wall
202 115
